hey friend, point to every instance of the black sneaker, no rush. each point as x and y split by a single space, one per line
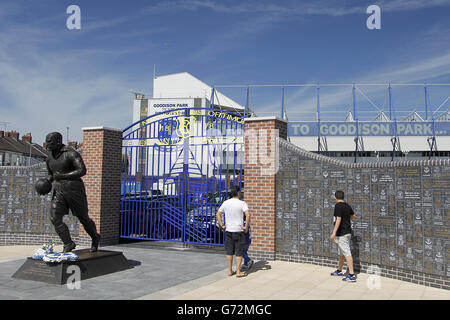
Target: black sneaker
95 243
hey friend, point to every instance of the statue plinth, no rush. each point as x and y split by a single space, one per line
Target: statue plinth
90 264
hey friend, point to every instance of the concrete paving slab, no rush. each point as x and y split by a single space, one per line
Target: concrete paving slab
162 274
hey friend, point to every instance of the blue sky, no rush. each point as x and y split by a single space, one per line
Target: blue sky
52 77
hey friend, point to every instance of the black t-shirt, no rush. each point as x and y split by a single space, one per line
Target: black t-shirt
343 210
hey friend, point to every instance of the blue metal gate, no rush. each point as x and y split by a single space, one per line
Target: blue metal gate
178 167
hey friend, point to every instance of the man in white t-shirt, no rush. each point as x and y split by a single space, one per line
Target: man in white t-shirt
235 241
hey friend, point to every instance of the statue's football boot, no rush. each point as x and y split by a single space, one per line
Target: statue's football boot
95 243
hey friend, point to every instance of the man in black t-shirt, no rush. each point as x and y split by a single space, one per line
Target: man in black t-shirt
342 234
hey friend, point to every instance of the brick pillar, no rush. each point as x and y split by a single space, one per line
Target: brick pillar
102 155
260 168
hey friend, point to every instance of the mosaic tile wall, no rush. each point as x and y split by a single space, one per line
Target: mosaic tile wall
403 210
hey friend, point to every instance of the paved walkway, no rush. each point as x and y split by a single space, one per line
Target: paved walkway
296 281
154 270
192 275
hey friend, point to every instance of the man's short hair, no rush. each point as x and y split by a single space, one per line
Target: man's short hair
234 191
339 194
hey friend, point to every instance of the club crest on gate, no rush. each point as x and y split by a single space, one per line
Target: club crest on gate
173 131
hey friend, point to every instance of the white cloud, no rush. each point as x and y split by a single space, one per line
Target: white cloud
259 16
412 71
289 8
48 91
432 67
407 5
233 36
46 99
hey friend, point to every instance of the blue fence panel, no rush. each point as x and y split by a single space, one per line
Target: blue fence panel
178 169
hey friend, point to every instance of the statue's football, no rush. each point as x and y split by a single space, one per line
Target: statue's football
43 186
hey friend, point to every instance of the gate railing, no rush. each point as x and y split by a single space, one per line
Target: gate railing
176 164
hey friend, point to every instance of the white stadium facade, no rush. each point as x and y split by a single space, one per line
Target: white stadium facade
180 90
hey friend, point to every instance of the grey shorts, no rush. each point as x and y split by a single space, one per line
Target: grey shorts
343 243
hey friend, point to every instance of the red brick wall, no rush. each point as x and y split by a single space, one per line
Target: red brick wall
102 150
260 169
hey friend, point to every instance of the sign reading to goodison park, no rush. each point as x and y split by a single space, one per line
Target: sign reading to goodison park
341 129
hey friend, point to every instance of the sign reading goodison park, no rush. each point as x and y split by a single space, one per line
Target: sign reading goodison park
341 129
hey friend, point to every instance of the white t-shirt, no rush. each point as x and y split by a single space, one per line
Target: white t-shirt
234 214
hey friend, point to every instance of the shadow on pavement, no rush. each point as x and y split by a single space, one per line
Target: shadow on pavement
355 240
134 263
259 266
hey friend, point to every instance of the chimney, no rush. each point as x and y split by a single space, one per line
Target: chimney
13 134
73 144
27 138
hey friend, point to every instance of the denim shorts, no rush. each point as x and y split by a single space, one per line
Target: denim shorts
235 243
